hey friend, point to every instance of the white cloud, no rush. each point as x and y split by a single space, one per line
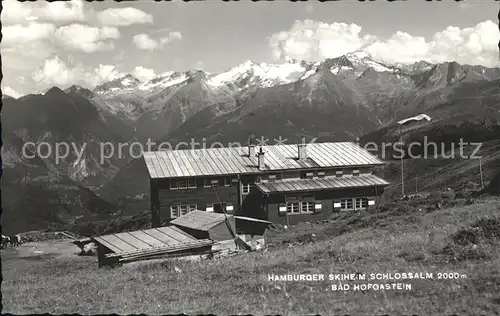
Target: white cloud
146 42
143 74
11 92
21 34
55 71
123 17
101 74
57 11
62 11
172 36
313 40
86 38
24 45
143 41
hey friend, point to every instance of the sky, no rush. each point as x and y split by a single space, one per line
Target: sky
63 43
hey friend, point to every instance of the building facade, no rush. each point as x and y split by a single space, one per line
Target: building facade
284 184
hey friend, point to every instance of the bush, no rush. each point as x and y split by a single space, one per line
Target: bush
474 243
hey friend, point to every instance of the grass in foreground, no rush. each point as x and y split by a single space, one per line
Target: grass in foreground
462 239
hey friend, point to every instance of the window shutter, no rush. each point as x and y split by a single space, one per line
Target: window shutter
336 205
318 208
282 210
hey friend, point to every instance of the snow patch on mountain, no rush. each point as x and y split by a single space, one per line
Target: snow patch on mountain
165 80
362 58
263 75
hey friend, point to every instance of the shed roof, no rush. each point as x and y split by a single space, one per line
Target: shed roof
149 239
235 160
251 219
200 220
297 185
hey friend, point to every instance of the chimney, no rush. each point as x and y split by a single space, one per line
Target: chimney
251 149
261 159
302 149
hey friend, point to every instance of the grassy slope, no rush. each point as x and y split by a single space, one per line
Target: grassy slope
413 241
437 174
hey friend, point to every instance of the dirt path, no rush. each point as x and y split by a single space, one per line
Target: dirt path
32 253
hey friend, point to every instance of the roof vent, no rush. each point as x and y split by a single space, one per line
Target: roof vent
261 159
251 149
302 149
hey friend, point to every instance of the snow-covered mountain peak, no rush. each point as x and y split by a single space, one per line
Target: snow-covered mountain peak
359 56
164 80
127 82
260 74
417 67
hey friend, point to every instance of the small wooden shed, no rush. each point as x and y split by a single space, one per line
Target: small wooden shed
148 244
207 225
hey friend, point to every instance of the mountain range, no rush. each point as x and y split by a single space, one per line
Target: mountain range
339 98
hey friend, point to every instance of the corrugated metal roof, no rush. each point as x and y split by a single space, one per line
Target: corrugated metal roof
295 185
235 160
199 220
141 240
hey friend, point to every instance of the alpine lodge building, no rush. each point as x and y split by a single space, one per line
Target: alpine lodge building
283 184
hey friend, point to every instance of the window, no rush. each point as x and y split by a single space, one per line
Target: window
275 176
346 204
183 209
174 211
293 207
307 197
292 198
307 175
307 207
321 174
210 208
179 210
339 173
302 207
182 184
355 172
210 183
192 183
174 185
258 180
353 204
227 181
361 203
245 188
